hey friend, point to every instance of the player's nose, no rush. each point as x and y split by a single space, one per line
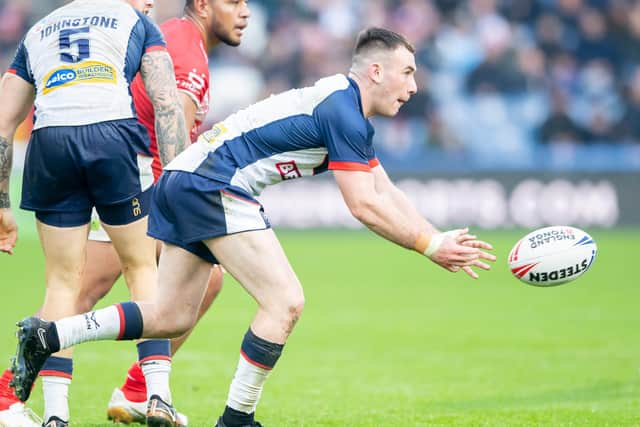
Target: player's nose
413 86
245 11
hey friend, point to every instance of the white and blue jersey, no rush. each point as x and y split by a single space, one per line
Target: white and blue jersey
86 147
297 133
81 59
209 189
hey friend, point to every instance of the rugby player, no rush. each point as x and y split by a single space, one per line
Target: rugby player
205 211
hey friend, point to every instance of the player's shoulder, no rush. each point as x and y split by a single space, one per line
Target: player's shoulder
175 25
185 42
180 31
333 84
340 99
338 91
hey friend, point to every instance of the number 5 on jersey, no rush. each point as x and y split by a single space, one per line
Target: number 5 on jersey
67 45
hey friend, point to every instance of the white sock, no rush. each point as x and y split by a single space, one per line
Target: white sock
156 373
246 386
56 397
103 324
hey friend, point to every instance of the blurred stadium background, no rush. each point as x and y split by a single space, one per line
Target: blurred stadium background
528 114
528 111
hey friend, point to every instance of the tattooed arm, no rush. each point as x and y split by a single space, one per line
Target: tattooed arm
160 83
17 96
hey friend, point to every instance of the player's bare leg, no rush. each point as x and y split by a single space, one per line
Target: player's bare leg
213 289
257 260
259 263
128 402
101 271
182 283
64 252
136 252
138 261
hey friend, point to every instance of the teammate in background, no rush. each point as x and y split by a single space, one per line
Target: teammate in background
205 211
76 65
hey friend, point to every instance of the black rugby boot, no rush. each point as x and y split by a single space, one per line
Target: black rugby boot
33 350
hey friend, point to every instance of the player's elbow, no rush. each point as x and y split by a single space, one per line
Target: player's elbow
8 125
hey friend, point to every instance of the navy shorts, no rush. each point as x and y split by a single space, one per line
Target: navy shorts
187 209
70 169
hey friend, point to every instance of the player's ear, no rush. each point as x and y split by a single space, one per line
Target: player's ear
376 72
202 8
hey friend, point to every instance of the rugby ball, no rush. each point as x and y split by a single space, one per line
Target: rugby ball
552 256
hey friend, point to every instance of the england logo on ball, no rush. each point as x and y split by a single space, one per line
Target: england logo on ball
552 256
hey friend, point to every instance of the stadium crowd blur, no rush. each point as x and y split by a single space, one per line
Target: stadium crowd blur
503 83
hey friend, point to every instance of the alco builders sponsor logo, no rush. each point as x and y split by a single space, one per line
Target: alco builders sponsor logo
87 72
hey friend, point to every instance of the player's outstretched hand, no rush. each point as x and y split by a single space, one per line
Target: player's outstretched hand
461 251
473 242
8 231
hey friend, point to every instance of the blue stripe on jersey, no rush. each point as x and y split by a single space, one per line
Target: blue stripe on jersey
21 64
144 35
346 133
292 133
131 67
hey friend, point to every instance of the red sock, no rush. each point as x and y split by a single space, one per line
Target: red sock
135 387
7 396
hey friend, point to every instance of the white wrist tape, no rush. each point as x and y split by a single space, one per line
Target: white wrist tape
434 245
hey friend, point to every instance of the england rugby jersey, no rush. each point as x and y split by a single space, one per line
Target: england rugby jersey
81 59
297 133
186 47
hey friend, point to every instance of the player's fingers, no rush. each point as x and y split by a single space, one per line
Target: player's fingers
466 237
455 234
487 256
479 244
462 259
463 263
481 265
470 272
465 250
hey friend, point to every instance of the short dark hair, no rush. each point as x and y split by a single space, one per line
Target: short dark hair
380 38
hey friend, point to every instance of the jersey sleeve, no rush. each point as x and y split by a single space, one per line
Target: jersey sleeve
153 39
345 133
20 65
191 68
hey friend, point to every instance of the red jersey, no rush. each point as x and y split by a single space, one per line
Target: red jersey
191 65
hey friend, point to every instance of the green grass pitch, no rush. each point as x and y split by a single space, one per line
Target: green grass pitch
388 339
